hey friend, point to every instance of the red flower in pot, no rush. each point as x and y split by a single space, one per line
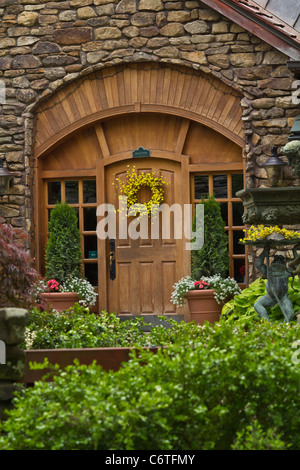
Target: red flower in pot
201 285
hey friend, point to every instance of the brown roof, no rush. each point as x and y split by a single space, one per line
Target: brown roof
260 22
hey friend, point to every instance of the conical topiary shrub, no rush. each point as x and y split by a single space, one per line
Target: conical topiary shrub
63 250
213 257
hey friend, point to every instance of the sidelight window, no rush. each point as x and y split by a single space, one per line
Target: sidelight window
80 194
224 186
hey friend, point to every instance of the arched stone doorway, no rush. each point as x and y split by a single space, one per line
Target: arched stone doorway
86 133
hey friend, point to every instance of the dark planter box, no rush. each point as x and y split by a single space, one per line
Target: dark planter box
108 358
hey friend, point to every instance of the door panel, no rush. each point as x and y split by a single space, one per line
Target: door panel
123 285
146 269
168 276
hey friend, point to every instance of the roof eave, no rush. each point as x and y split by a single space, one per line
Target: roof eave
259 28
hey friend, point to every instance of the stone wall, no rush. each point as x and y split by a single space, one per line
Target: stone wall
12 334
46 44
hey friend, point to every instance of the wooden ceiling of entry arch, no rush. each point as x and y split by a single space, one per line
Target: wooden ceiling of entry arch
138 88
166 136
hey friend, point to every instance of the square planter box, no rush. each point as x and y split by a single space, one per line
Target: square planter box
203 306
60 301
107 358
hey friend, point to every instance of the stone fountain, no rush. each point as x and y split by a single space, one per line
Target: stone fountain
275 205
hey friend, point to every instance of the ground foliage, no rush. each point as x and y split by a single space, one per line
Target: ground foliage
242 306
232 385
78 328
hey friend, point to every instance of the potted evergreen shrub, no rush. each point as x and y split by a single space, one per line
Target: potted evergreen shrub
213 257
63 257
208 287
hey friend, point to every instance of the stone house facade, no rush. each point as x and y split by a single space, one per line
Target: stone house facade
49 49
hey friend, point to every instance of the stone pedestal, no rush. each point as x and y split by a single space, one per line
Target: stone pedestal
12 357
271 206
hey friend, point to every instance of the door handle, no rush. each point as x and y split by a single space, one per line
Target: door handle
112 259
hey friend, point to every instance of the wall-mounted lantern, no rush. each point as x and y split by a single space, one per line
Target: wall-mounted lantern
5 179
274 167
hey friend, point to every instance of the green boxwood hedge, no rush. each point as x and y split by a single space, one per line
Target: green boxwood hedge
234 385
78 328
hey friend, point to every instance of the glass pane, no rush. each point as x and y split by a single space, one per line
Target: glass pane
89 191
237 213
54 192
224 211
237 182
91 273
201 186
238 248
90 246
89 219
239 269
71 188
220 186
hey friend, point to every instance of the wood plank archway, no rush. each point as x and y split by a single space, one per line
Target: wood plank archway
138 88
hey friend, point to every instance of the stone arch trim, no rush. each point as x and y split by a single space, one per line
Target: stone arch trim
136 88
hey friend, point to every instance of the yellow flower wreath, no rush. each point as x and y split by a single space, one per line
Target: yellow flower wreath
134 182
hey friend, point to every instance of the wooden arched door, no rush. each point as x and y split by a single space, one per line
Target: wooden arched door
145 269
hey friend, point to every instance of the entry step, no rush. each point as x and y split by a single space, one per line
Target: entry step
153 320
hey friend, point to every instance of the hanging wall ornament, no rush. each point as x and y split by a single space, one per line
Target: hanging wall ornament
134 182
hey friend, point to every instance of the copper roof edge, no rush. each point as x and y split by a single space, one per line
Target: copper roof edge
261 23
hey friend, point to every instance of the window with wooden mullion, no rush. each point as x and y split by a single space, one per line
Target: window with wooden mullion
80 194
224 185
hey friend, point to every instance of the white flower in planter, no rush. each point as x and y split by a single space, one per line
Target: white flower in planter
224 288
83 288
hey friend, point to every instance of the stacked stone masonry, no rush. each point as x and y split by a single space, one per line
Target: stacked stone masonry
12 335
46 44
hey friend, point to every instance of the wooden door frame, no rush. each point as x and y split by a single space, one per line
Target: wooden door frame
102 165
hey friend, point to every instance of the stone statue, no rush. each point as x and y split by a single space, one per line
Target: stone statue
294 266
292 152
277 286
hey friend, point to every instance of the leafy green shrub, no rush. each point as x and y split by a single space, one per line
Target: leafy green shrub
235 387
78 328
254 437
213 258
242 306
182 333
63 250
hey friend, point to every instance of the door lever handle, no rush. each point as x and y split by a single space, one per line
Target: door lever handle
112 259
